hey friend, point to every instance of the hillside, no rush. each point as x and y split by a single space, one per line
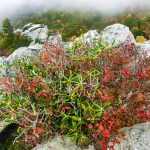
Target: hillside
71 24
74 23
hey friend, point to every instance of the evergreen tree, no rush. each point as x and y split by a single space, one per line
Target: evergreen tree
7 29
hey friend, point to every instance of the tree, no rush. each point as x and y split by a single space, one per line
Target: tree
7 29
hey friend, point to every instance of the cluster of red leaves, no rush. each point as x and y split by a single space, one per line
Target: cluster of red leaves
33 130
52 56
124 82
123 78
126 86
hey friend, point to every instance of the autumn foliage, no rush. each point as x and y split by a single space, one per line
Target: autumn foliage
88 93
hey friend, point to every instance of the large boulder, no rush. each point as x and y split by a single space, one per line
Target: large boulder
36 32
2 59
54 39
144 48
117 34
87 38
60 143
35 46
2 66
137 138
19 54
91 35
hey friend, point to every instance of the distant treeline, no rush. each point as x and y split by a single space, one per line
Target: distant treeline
73 23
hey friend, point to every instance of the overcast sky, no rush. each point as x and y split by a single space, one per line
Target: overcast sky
8 7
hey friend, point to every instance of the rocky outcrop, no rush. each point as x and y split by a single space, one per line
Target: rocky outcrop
56 38
137 138
118 34
144 48
61 143
2 59
87 38
19 53
2 67
36 32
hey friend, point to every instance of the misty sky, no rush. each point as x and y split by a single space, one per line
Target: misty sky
9 7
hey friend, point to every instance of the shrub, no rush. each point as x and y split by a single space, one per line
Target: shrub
20 41
4 42
140 39
10 41
88 93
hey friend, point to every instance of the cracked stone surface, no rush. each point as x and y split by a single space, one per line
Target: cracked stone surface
118 34
60 143
137 138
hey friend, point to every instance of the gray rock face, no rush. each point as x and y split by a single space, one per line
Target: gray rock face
24 51
144 48
60 143
2 66
118 34
90 35
35 47
34 31
18 54
2 60
26 27
87 38
137 138
54 39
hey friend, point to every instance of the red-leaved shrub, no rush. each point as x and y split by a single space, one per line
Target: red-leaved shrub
87 93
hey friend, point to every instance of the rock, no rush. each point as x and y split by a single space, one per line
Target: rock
35 47
24 51
68 45
36 32
56 38
27 26
18 54
2 60
144 48
21 53
137 138
87 38
117 34
90 35
18 31
2 66
60 143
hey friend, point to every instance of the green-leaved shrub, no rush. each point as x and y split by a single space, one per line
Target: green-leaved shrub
88 93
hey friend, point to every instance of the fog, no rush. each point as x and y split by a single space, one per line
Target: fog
16 7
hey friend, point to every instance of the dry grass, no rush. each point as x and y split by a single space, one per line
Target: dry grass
5 52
